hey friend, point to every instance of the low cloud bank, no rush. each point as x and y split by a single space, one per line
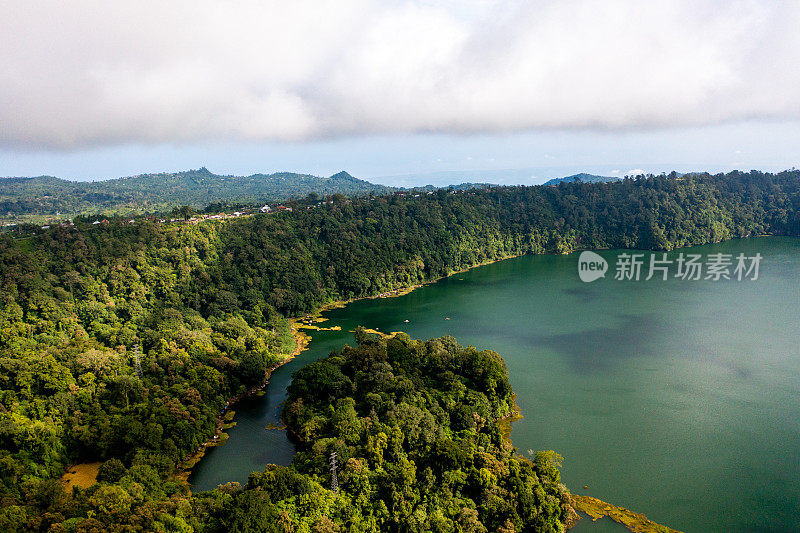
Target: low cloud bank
82 74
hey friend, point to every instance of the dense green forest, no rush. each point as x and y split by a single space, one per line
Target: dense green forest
20 198
203 308
416 431
414 426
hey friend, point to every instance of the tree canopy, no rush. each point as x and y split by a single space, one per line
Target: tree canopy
122 343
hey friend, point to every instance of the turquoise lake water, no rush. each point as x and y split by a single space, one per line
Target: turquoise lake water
677 399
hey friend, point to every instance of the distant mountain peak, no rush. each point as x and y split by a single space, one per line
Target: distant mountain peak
163 191
343 175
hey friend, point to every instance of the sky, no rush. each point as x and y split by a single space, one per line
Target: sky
399 92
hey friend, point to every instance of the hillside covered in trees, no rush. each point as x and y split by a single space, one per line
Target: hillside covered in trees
46 196
203 308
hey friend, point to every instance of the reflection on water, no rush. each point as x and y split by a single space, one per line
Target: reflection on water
595 349
583 294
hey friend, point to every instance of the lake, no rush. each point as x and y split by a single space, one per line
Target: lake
674 398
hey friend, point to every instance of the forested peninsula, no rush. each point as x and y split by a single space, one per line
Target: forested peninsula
123 342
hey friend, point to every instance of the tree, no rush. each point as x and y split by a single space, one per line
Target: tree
111 471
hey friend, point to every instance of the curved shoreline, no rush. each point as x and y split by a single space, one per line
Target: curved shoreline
225 420
303 340
226 416
341 304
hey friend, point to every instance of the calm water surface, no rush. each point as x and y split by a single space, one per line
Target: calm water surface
676 399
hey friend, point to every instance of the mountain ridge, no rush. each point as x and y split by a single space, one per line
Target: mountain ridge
582 177
49 195
25 198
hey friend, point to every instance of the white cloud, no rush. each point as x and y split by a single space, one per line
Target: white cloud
635 172
85 73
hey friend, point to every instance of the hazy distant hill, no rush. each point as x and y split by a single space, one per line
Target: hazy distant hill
585 178
458 187
47 195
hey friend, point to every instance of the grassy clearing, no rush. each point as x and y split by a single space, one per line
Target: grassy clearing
82 475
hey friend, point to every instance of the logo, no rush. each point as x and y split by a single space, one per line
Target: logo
591 267
635 266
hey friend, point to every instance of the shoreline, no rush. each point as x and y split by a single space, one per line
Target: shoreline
597 509
302 342
225 420
402 291
591 507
